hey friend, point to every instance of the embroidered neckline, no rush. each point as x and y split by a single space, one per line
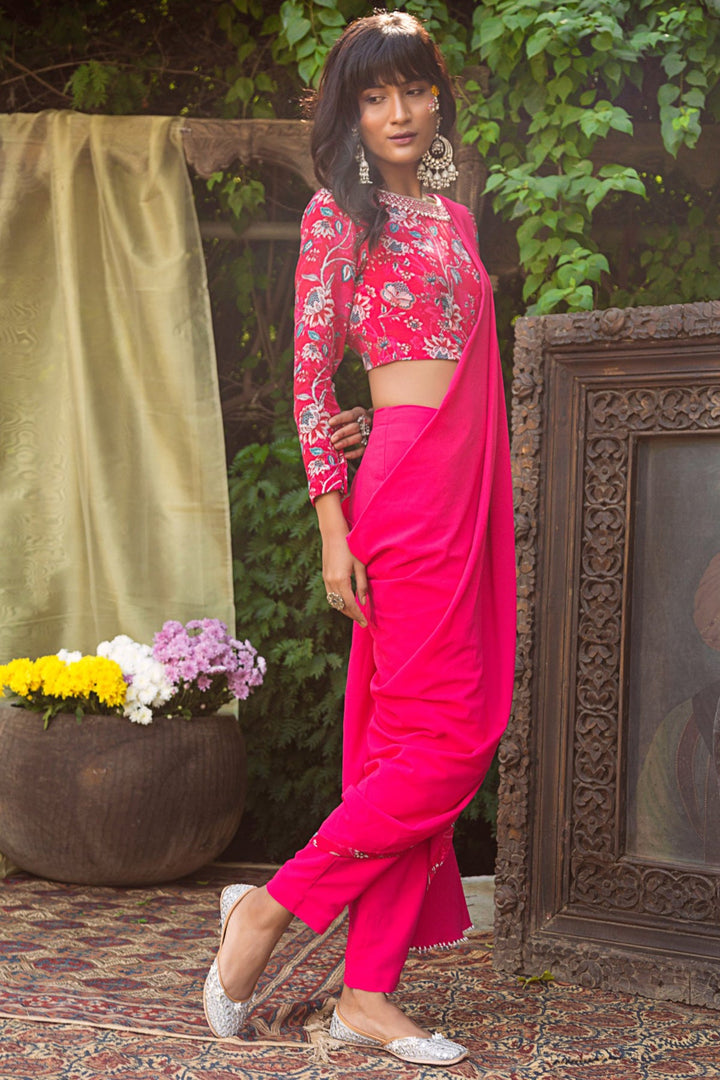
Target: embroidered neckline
431 207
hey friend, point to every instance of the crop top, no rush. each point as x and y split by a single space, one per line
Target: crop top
415 297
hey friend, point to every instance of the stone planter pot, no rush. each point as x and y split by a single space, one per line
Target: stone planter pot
104 801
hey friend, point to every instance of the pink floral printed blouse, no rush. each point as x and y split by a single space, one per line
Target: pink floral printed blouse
416 297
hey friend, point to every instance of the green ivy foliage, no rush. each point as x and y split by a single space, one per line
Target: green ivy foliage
562 78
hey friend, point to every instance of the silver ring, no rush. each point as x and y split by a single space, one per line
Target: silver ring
365 427
335 600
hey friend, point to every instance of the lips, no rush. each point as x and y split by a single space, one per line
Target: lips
403 136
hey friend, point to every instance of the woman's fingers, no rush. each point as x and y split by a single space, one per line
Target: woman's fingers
361 582
350 432
350 608
338 568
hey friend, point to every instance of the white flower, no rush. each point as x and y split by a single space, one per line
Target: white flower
148 684
318 309
69 657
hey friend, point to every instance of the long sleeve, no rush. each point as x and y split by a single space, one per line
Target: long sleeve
324 288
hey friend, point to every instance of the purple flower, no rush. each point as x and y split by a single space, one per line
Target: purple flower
201 658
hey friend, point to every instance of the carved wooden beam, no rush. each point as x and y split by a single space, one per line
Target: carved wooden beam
211 145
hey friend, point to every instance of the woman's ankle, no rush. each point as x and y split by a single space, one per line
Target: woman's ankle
372 1013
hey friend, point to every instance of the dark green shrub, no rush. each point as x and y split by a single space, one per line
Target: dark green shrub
293 727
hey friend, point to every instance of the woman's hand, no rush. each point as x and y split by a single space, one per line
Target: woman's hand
339 565
351 429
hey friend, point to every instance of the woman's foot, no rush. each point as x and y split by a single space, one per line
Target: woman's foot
254 928
374 1015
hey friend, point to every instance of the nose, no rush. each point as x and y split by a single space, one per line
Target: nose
399 112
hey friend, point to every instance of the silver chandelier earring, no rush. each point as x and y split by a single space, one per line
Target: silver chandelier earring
364 168
436 169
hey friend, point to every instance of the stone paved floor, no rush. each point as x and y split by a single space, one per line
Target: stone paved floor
480 895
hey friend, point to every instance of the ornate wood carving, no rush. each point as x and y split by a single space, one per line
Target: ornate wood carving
567 895
211 145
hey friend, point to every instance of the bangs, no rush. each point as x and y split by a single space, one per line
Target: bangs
389 59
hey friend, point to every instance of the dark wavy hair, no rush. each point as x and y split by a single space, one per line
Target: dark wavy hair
384 48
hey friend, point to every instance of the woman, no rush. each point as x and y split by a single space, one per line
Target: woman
426 535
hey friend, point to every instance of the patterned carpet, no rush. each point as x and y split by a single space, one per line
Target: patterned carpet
105 983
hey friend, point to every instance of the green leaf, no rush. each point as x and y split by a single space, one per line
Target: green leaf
487 29
673 64
296 29
538 42
308 68
330 17
668 93
241 90
695 98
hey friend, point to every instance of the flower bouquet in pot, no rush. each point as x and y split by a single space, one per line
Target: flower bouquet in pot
117 768
189 670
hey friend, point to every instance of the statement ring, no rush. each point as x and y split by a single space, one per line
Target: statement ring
364 426
335 600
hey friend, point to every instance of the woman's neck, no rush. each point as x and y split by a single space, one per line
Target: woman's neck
402 181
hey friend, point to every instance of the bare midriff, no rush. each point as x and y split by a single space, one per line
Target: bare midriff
411 382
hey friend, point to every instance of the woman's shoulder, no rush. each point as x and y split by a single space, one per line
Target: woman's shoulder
324 205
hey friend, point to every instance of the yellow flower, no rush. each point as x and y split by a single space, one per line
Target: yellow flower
91 675
20 677
53 678
48 669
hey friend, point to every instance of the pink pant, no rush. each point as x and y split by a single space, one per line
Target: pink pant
385 897
388 895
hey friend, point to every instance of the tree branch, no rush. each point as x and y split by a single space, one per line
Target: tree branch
33 75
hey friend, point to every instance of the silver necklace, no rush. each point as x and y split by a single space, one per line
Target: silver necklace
427 206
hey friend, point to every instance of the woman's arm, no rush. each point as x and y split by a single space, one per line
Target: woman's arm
324 289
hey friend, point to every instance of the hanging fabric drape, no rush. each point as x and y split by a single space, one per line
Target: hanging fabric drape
113 492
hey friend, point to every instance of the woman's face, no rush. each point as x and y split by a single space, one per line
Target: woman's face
397 124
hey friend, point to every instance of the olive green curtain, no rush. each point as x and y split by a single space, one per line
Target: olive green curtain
113 490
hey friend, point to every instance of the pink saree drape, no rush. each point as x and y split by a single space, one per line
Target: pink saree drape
430 683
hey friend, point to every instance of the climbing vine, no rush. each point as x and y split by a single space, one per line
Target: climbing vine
563 77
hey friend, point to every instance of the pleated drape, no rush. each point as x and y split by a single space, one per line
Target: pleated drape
113 492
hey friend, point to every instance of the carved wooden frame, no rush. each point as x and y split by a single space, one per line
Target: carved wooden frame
568 897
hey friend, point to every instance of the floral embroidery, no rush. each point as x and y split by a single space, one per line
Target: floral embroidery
397 294
416 296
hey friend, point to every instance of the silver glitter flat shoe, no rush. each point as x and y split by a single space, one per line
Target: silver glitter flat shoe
228 896
225 1016
418 1051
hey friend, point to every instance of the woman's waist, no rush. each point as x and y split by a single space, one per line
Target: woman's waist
421 383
